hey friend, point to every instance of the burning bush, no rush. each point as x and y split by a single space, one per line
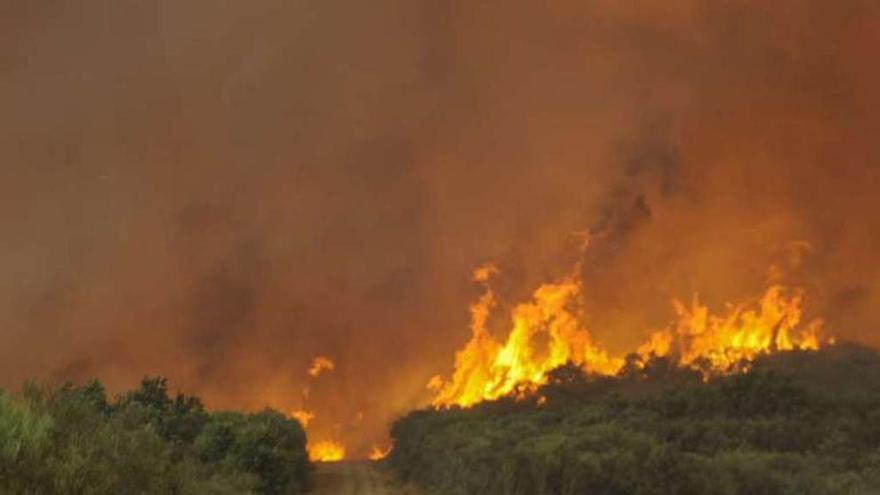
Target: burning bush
487 369
799 422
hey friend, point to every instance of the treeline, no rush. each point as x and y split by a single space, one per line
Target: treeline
72 440
801 423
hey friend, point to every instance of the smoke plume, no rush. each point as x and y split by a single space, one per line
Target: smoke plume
221 191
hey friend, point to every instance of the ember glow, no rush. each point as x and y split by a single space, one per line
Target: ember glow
319 365
326 451
304 417
378 453
547 332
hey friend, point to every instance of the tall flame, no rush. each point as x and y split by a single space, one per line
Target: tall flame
774 324
546 333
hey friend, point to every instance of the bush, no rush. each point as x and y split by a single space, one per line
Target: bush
792 426
267 444
71 440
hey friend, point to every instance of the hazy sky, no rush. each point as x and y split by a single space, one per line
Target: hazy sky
218 191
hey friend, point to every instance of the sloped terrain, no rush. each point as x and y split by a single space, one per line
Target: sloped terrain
805 423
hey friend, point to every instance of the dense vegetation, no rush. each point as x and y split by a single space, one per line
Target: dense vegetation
805 423
72 440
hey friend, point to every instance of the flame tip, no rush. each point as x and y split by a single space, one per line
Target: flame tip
486 369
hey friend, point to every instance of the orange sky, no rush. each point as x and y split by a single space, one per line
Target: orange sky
220 192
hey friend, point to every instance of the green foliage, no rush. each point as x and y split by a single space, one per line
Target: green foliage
265 443
798 423
72 440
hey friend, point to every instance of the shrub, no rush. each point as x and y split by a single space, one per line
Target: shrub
72 440
792 426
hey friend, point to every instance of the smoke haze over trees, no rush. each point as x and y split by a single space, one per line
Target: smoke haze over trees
222 191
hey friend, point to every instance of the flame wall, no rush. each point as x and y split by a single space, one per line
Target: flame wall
220 192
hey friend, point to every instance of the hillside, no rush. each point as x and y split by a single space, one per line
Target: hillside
805 423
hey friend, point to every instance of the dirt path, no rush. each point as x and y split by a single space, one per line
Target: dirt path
354 478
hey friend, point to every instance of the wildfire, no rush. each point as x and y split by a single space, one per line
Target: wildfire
326 451
486 369
546 333
774 324
319 365
378 453
303 416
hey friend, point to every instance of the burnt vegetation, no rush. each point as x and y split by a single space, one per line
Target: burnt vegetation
73 440
800 422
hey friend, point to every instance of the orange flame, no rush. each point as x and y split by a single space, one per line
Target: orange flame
304 417
484 272
774 324
378 453
547 332
319 365
326 451
486 369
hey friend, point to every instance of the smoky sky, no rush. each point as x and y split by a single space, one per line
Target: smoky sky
220 191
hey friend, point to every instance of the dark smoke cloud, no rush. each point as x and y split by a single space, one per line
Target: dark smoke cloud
221 191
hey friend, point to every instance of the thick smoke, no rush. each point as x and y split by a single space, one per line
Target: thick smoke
220 191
